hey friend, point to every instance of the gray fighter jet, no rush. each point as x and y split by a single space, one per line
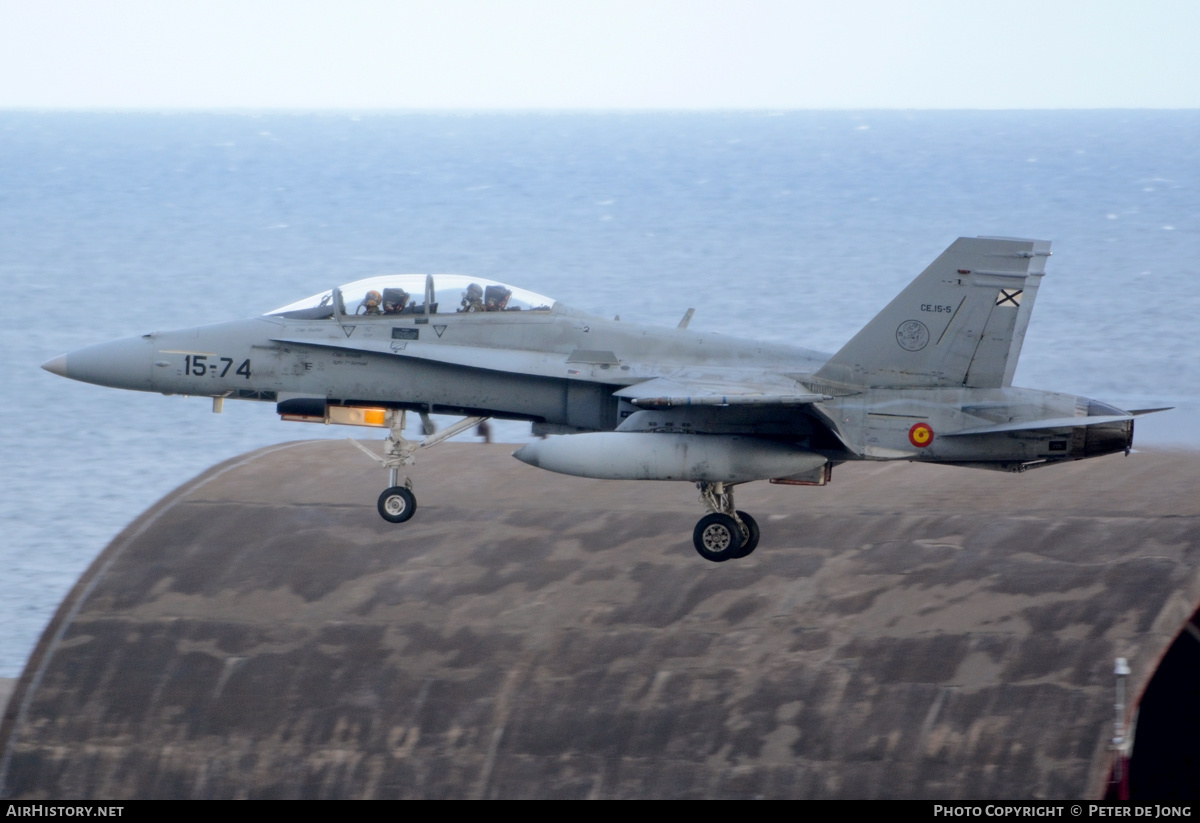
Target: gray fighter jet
929 379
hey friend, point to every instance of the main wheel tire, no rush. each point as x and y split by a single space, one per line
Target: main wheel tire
751 535
397 504
717 537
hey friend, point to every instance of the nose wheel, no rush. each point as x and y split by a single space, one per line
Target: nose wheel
397 504
725 533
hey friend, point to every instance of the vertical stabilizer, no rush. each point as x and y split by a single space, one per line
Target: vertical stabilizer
960 323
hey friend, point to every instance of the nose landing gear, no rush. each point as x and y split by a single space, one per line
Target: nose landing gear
725 533
397 503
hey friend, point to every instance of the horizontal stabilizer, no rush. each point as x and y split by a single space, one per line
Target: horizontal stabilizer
1049 423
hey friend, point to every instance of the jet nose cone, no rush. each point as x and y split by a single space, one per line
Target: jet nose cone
57 366
121 364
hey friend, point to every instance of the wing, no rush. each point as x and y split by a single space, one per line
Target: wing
709 425
710 389
730 402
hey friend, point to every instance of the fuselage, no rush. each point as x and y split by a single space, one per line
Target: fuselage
559 368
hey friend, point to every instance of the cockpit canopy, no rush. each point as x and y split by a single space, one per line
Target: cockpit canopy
408 294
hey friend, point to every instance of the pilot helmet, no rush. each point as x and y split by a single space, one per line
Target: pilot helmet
474 292
372 300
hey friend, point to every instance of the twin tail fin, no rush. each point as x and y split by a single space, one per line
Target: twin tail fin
960 323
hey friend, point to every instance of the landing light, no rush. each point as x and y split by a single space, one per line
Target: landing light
344 416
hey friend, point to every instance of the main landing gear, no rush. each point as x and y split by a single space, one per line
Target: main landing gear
725 533
397 503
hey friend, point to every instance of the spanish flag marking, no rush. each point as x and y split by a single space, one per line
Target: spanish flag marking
920 435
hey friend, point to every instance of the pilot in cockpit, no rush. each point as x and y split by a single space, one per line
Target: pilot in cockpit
472 299
370 304
496 298
394 300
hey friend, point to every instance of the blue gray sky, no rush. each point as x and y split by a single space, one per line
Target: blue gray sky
599 54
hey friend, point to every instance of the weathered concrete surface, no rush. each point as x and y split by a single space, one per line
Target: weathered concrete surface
909 631
7 684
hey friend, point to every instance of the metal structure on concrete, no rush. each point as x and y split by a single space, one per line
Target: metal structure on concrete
911 631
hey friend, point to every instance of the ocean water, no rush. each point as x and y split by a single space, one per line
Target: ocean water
792 226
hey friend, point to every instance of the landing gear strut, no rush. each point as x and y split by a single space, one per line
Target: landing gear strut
398 503
725 533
